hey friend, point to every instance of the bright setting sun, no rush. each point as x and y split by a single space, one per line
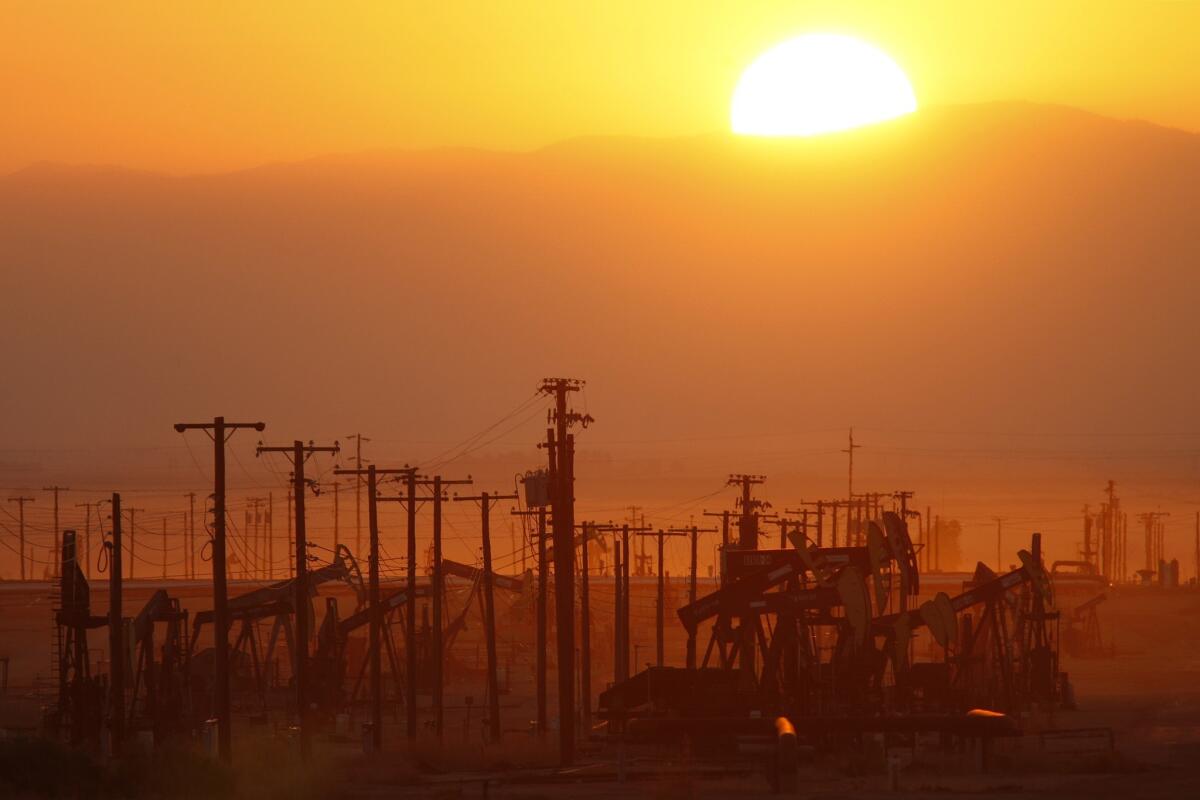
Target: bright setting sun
819 83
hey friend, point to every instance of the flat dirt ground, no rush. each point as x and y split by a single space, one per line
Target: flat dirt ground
1148 695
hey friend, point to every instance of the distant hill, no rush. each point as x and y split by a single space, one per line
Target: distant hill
1002 266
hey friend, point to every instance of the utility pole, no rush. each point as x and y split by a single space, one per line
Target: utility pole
618 597
411 501
585 630
410 627
439 599
375 608
850 452
190 561
560 446
694 532
543 581
219 431
132 539
660 627
254 511
999 543
300 453
164 547
820 513
748 520
291 555
116 625
337 539
87 534
627 600
358 481
21 501
55 561
485 502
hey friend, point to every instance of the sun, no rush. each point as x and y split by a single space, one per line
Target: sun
819 83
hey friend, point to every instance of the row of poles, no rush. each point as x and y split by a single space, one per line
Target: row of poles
559 445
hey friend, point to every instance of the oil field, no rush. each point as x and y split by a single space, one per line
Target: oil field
548 401
823 649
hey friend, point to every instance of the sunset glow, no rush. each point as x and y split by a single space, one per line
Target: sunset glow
819 83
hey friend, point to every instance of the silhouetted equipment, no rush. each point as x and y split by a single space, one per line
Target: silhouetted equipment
822 637
438 659
300 452
79 713
1083 638
376 626
116 639
21 500
486 501
660 610
560 450
218 430
55 565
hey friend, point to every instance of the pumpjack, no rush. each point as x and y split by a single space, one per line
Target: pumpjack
254 662
158 701
826 634
78 714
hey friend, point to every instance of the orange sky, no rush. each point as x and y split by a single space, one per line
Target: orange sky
187 86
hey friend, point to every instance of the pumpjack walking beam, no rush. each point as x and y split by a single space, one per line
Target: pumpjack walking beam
299 452
376 608
219 431
486 501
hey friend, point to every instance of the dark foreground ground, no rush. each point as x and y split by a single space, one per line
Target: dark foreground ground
1148 695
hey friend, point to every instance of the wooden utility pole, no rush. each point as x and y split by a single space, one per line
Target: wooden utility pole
693 532
263 552
560 448
300 453
999 543
485 502
219 431
585 632
358 481
337 539
116 626
411 501
189 566
21 501
87 535
57 559
850 452
132 539
660 627
543 581
375 608
618 598
748 519
439 598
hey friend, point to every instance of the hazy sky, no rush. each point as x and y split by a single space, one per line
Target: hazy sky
188 86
